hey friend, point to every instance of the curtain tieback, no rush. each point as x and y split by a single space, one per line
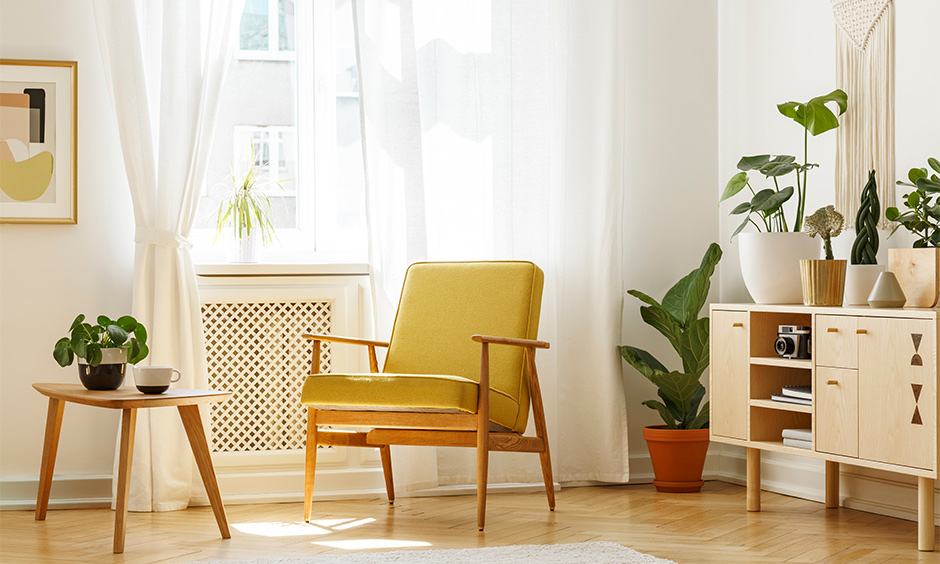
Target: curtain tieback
161 238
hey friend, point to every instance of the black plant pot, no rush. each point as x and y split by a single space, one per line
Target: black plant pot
103 376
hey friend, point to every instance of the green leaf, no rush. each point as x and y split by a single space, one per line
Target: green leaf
645 363
663 412
94 354
63 353
916 173
693 407
928 185
741 208
117 335
141 333
892 214
679 387
643 297
934 164
701 420
661 320
735 185
779 166
686 298
913 200
127 323
754 162
814 115
77 322
741 227
693 347
776 200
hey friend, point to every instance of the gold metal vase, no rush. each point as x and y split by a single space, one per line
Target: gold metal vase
823 281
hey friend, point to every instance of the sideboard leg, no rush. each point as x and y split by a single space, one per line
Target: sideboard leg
832 484
925 493
753 479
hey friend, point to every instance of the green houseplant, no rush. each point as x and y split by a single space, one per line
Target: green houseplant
863 270
678 448
246 210
916 269
770 255
823 279
103 349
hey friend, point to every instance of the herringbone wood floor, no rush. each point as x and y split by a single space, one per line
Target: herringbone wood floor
711 527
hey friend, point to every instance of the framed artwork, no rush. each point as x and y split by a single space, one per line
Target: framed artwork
38 141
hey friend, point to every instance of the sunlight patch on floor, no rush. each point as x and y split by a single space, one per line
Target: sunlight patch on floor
280 529
353 524
366 544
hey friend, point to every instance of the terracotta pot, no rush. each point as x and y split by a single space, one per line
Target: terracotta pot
823 281
678 457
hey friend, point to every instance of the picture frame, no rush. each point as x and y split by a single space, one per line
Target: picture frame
38 141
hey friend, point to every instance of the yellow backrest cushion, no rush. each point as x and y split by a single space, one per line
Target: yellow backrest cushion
443 304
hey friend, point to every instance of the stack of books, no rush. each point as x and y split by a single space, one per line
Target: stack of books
799 438
802 395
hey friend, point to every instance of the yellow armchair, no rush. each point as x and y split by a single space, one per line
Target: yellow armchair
442 383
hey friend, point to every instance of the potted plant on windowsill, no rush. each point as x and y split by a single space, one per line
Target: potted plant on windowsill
769 256
103 350
247 211
864 269
678 448
823 279
918 269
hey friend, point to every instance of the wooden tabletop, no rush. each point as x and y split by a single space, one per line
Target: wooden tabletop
128 397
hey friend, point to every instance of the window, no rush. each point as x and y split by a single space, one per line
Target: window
300 116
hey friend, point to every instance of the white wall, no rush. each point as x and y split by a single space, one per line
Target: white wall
50 273
671 165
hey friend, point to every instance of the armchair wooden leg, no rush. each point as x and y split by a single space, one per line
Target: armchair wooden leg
310 461
386 453
546 460
483 455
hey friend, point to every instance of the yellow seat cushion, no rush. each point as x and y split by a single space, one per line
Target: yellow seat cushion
406 392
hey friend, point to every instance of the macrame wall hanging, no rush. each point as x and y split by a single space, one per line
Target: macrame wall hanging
865 71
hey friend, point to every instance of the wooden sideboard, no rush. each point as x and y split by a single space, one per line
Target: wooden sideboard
873 374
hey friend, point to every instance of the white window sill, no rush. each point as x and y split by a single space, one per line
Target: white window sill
282 269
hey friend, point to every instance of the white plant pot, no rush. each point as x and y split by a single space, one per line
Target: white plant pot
770 265
243 249
859 280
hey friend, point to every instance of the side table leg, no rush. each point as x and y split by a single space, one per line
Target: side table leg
925 508
128 430
832 484
753 479
50 447
192 421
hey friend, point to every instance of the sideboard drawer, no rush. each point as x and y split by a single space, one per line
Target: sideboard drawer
835 341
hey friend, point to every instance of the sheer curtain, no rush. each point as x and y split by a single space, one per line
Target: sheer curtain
165 65
494 130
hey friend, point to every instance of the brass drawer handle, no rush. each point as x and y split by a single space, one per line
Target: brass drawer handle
832 382
832 330
737 325
861 331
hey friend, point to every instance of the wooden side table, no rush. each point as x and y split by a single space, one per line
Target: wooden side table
129 400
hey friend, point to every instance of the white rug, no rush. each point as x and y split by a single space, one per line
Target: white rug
579 553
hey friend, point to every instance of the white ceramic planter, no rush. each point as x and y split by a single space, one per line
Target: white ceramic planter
859 280
770 265
243 249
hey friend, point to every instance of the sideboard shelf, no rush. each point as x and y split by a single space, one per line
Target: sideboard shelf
874 380
780 405
802 363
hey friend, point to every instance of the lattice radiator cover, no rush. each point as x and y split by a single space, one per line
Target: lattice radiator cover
255 350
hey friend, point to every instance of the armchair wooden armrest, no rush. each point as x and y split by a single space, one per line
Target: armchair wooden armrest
509 341
318 337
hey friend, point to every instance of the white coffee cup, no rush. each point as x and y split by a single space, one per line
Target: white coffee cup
155 379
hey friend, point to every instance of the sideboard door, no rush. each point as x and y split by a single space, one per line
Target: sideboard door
729 369
897 391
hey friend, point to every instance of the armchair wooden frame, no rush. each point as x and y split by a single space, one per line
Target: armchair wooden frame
429 429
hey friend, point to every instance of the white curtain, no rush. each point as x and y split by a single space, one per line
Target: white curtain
494 130
165 65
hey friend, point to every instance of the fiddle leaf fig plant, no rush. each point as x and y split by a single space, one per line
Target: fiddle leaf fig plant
676 318
86 340
923 219
767 204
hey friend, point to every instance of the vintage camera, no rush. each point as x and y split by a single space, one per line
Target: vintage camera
793 341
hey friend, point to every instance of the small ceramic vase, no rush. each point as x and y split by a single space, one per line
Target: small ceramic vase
886 292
